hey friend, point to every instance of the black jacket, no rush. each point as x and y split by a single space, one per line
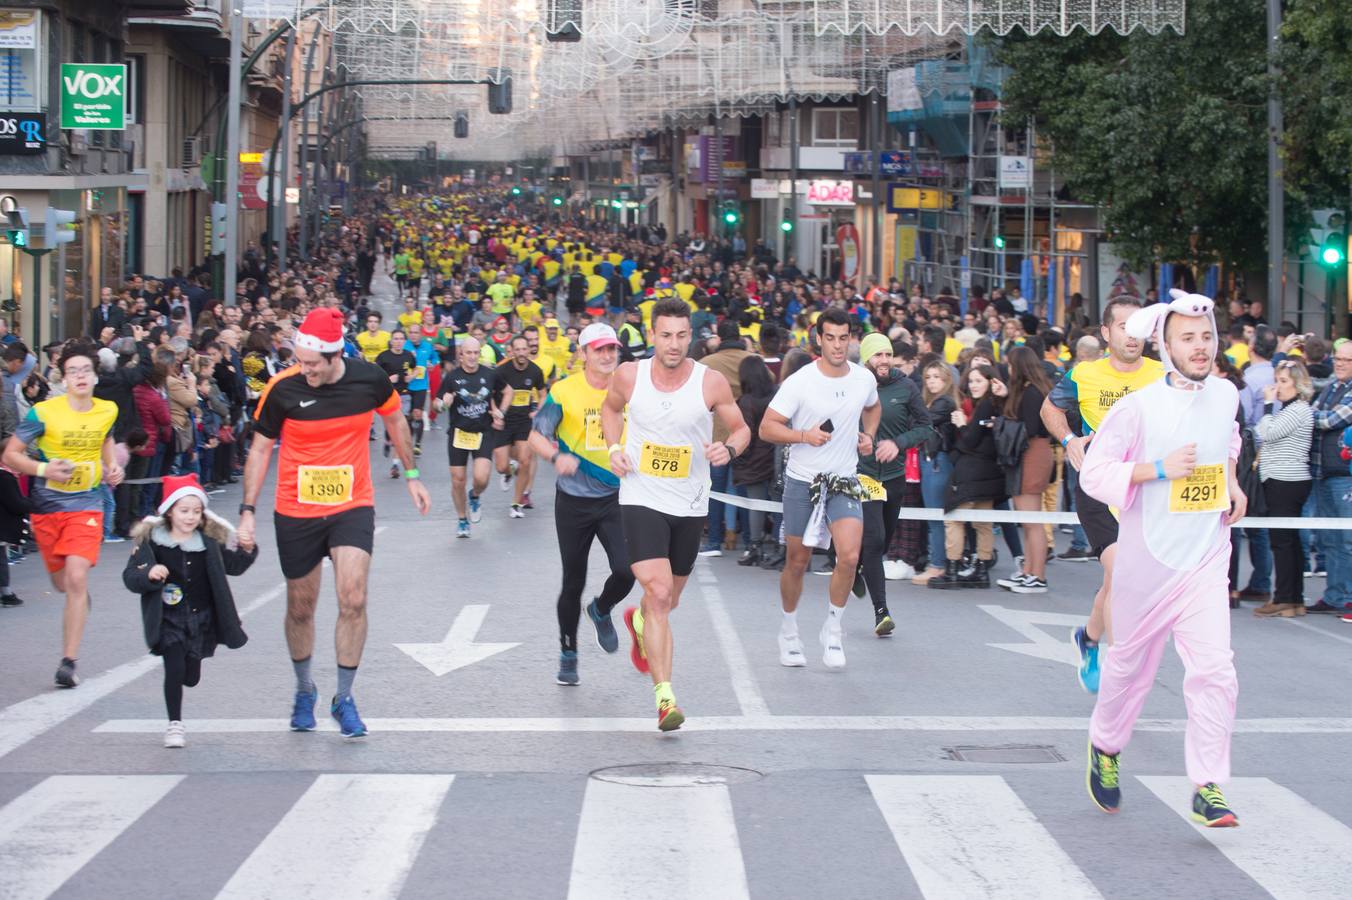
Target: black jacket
757 462
224 557
14 508
976 474
116 386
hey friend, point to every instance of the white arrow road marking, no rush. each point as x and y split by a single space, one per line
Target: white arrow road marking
458 649
1042 645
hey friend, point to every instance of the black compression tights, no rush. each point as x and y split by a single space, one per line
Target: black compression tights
180 671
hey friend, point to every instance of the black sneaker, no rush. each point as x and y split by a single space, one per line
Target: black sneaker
65 674
1030 584
1209 808
883 626
1073 555
1102 780
606 638
10 600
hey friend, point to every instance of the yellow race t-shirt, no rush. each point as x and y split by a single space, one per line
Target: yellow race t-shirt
372 345
59 432
1095 386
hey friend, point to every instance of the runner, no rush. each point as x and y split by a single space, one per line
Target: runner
324 504
828 413
586 499
663 464
397 363
512 455
1165 458
374 340
904 423
72 433
467 395
426 366
1092 388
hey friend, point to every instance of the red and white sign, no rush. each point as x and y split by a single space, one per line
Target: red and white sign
824 192
847 242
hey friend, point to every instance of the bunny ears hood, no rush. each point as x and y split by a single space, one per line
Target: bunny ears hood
1148 322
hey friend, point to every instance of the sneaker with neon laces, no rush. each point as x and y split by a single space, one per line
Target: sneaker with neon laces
633 620
883 626
475 508
462 528
1102 780
303 711
833 646
1088 652
1210 809
791 651
344 710
417 449
669 716
567 669
606 638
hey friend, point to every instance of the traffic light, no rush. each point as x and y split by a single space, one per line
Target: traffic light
56 232
786 223
999 242
462 124
731 215
556 200
217 229
16 225
1333 252
516 190
500 91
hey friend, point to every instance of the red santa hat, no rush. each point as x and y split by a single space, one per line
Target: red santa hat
322 331
176 487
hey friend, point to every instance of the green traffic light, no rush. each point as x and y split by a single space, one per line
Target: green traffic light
786 226
999 242
18 237
557 201
516 192
1331 256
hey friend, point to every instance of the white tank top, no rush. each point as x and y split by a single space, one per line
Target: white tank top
665 441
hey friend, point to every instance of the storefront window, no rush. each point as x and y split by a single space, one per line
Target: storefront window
22 87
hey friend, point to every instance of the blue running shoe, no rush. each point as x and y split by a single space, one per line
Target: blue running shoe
345 711
567 668
1089 660
462 529
606 637
475 509
303 712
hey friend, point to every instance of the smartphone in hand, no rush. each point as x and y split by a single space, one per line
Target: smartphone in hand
827 426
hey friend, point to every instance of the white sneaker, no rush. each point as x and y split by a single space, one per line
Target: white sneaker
833 647
516 512
505 481
175 738
791 651
897 570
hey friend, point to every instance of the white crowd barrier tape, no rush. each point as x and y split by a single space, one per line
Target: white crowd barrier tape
1016 517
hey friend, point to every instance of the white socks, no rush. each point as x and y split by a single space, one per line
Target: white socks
835 616
789 627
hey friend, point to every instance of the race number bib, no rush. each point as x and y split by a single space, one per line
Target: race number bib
521 397
595 438
418 373
324 485
81 479
1204 491
875 488
467 440
663 461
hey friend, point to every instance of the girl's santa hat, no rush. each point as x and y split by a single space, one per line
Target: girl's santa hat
176 487
322 331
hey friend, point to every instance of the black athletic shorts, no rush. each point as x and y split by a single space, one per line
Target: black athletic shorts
303 542
514 431
460 458
650 534
417 401
1099 524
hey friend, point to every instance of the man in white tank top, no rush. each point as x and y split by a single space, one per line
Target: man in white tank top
663 466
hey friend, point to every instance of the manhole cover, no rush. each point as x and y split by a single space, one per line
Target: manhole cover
1009 753
663 775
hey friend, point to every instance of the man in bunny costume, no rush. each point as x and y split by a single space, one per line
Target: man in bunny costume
1165 459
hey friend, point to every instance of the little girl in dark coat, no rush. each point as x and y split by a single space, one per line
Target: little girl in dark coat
179 565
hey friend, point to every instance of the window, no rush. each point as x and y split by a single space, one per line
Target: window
23 82
835 127
136 88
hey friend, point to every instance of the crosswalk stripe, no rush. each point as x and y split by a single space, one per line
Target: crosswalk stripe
658 838
971 836
346 833
1285 843
48 833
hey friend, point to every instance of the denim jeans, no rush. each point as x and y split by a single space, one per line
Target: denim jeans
1012 533
109 509
1260 557
1309 540
934 475
1333 497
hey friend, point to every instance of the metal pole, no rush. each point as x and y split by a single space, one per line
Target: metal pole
231 255
281 180
301 210
718 154
876 153
791 241
317 195
1276 187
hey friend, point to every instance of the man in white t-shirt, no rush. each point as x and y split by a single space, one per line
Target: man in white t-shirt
828 412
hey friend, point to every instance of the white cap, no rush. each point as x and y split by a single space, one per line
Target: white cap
597 334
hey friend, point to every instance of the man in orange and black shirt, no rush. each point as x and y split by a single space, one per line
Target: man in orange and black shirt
322 408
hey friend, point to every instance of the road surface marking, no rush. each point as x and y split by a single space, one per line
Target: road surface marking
50 832
346 833
971 836
1040 644
730 723
1317 630
1313 857
21 722
458 649
657 842
744 686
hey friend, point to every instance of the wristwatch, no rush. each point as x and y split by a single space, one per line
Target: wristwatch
246 507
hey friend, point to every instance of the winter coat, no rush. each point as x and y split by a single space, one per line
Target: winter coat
154 412
976 474
757 462
14 508
904 420
117 386
945 436
224 557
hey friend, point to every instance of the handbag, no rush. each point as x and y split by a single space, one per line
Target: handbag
913 465
1011 440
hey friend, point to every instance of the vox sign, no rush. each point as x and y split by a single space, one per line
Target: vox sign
93 96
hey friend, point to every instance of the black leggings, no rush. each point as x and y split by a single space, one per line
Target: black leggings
1283 499
880 523
578 521
180 671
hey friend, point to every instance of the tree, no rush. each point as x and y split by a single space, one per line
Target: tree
1316 85
1167 132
